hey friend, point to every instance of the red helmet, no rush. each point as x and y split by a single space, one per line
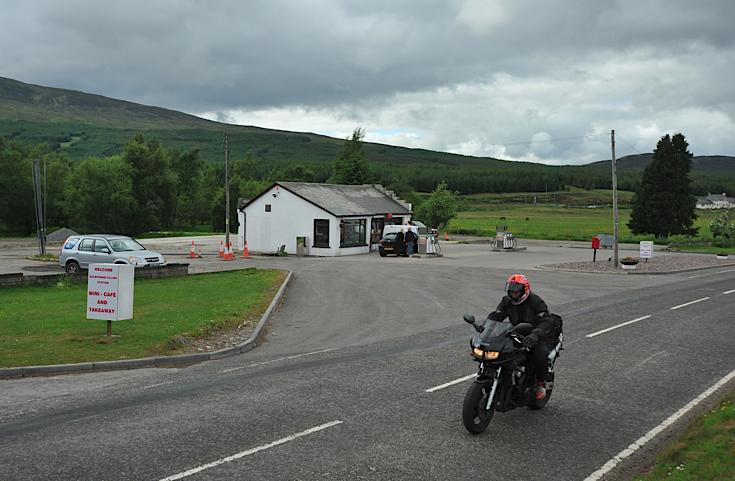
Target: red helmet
518 288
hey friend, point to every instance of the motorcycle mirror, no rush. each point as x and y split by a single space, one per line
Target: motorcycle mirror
469 318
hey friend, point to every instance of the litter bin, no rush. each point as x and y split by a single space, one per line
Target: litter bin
301 248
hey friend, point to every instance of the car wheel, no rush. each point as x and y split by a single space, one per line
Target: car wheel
383 254
72 267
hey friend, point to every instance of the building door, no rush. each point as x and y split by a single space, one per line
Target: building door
376 231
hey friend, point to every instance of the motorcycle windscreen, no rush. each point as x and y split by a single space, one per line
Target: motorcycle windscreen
494 336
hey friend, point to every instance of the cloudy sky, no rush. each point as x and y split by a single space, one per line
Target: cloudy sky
542 81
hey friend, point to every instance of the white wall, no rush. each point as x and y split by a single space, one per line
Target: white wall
291 217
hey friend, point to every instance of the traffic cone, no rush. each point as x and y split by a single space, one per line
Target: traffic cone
228 254
221 253
192 252
245 251
446 236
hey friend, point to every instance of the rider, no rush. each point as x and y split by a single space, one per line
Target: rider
522 305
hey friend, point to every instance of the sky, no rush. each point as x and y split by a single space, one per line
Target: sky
539 81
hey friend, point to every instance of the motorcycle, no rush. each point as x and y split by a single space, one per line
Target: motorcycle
505 378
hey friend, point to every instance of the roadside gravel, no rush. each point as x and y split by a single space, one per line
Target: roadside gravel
661 264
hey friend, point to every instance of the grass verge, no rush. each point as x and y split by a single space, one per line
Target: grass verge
47 325
706 452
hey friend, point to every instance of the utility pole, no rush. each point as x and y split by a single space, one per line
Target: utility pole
39 197
615 200
227 192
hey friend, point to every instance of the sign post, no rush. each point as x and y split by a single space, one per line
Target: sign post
110 293
646 250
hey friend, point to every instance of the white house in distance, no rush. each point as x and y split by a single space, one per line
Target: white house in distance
335 219
715 201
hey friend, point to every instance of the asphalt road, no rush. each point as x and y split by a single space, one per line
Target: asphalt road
339 389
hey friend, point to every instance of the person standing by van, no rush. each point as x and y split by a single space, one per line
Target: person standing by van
411 239
401 242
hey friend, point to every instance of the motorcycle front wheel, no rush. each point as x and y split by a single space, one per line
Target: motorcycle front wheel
474 415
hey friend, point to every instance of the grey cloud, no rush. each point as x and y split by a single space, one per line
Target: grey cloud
218 56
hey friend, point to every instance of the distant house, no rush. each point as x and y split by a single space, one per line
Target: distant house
334 219
715 201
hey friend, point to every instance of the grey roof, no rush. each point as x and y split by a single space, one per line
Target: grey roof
347 200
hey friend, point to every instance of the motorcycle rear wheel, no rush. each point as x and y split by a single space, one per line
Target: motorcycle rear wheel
474 415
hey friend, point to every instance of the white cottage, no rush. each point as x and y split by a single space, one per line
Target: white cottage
334 219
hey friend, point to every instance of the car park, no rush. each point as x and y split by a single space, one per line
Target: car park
79 251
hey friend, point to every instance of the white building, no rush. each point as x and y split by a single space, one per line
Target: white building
715 201
335 219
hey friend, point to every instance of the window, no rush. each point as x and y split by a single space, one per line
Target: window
352 233
70 243
87 245
321 232
267 207
101 246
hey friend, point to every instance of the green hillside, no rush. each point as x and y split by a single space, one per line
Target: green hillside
80 125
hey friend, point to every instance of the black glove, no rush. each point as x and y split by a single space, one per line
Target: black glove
530 340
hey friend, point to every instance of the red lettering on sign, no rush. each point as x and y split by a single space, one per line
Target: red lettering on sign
101 301
110 294
94 293
103 269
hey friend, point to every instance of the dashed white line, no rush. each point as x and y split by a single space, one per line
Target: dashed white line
156 385
729 292
279 359
450 383
607 467
689 303
615 327
250 451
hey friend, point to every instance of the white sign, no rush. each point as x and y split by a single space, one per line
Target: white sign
646 249
110 292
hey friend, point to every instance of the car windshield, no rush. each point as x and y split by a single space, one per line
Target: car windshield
125 245
390 237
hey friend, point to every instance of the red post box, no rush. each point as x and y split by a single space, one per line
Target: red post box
595 246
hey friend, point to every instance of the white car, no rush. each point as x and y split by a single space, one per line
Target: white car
79 251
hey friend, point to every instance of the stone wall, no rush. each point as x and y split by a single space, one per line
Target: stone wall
19 279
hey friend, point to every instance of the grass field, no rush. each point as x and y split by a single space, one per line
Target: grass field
581 216
47 325
706 452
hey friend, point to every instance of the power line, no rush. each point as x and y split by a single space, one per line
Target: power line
558 139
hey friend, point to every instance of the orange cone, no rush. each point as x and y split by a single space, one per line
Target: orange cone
228 254
446 236
221 253
245 251
192 252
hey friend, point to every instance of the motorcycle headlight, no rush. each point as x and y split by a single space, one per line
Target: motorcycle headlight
486 355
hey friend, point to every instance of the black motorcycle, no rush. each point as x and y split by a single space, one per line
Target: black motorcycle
505 379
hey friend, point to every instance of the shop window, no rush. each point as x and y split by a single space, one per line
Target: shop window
352 233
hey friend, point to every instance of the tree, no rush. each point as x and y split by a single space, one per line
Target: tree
724 226
663 203
439 208
351 166
154 184
99 197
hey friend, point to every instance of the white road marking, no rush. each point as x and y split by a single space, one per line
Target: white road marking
729 292
711 273
451 383
615 327
156 385
250 451
279 359
689 303
607 467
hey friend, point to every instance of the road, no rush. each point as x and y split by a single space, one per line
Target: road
339 390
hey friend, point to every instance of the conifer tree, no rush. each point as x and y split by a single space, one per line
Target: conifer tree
351 166
663 204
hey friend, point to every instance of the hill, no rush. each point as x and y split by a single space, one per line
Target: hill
700 163
80 125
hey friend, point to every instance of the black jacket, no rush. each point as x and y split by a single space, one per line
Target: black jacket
532 310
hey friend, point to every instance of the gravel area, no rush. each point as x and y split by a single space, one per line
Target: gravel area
658 265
